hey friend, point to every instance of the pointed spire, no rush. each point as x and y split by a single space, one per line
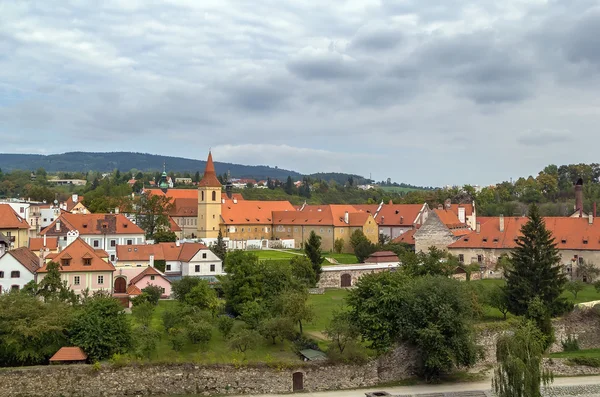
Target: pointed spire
209 179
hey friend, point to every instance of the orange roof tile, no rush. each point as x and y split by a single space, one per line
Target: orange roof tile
382 256
92 224
407 237
252 212
69 354
468 208
175 193
449 218
133 290
162 251
393 214
37 243
9 219
569 233
149 271
210 176
26 258
75 253
174 226
70 204
315 215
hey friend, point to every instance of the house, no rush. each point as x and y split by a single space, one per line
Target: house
577 239
82 267
74 205
407 238
441 229
383 258
69 355
346 276
330 222
180 259
149 276
395 219
17 268
184 209
14 227
101 231
184 181
44 245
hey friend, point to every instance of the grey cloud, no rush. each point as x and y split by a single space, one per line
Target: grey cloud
540 138
376 39
581 43
325 66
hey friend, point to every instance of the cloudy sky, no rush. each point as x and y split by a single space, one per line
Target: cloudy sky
430 92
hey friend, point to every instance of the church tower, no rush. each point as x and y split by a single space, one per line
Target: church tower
209 202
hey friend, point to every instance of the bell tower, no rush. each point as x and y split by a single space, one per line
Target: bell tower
209 202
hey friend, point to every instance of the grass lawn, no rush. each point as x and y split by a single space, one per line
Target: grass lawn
324 305
346 259
289 254
595 353
270 255
398 189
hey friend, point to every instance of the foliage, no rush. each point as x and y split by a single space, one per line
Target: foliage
253 313
536 269
571 344
539 314
199 332
432 313
160 265
361 245
145 341
338 245
575 287
498 299
101 328
202 296
294 305
174 316
52 288
303 342
219 248
302 270
597 286
177 338
164 236
143 312
312 250
520 372
587 271
150 294
434 262
277 328
243 340
586 361
181 287
153 214
342 330
30 330
225 325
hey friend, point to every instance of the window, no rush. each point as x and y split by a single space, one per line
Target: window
45 219
202 195
96 243
289 229
87 261
100 279
113 243
76 280
112 258
341 231
329 231
14 288
242 229
162 291
168 268
295 230
15 274
129 242
65 262
214 196
65 238
1 274
255 229
204 255
479 258
152 278
21 210
212 268
197 269
461 258
321 230
580 260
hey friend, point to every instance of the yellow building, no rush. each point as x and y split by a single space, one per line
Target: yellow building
14 228
330 222
209 202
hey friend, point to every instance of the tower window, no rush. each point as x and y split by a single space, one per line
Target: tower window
202 195
214 196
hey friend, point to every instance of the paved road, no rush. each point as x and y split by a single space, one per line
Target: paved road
585 386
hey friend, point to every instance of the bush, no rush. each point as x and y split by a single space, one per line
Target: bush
571 344
199 332
175 316
225 325
303 343
142 312
243 340
177 338
587 361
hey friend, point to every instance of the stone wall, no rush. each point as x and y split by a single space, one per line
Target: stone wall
332 278
433 233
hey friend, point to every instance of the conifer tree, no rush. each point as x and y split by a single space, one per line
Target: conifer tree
312 249
219 248
536 269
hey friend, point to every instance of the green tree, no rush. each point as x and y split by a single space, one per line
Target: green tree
243 340
587 272
101 328
289 186
253 313
434 314
52 288
150 294
575 287
341 330
143 312
497 299
219 248
153 214
539 314
519 372
363 247
303 271
274 328
164 236
183 286
338 245
294 305
202 296
225 325
145 341
177 337
536 269
312 249
199 332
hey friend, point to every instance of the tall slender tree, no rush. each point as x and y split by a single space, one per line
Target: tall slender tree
219 248
312 249
536 269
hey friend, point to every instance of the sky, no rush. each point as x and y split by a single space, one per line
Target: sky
428 92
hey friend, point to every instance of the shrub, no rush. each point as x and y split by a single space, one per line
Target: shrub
175 315
177 338
571 344
199 332
586 361
225 325
243 340
303 343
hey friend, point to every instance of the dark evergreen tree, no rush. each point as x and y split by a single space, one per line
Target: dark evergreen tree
289 186
312 249
196 177
536 269
219 248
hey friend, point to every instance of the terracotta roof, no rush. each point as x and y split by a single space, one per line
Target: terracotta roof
407 237
382 256
149 271
70 204
162 251
185 206
92 224
133 290
174 226
37 243
9 219
75 252
69 354
450 219
175 193
210 176
253 212
26 258
569 233
483 219
393 214
468 208
316 215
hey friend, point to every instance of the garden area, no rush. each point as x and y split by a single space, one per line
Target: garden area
287 254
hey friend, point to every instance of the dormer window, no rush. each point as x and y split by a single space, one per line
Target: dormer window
65 262
466 239
87 261
485 239
563 241
585 241
495 240
85 225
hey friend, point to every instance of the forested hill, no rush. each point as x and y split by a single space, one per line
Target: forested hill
124 161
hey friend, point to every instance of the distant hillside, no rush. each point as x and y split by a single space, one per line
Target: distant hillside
125 161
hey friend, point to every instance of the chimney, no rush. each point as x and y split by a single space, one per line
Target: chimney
346 217
501 223
591 219
151 260
75 198
234 201
478 228
57 225
44 240
401 220
461 214
382 219
447 204
579 196
177 243
116 210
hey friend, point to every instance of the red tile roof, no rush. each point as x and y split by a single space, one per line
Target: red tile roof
9 219
316 215
76 252
393 214
37 243
133 290
569 233
149 271
92 224
450 219
26 258
253 212
69 354
468 208
382 257
210 176
175 193
407 237
70 204
162 251
174 226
